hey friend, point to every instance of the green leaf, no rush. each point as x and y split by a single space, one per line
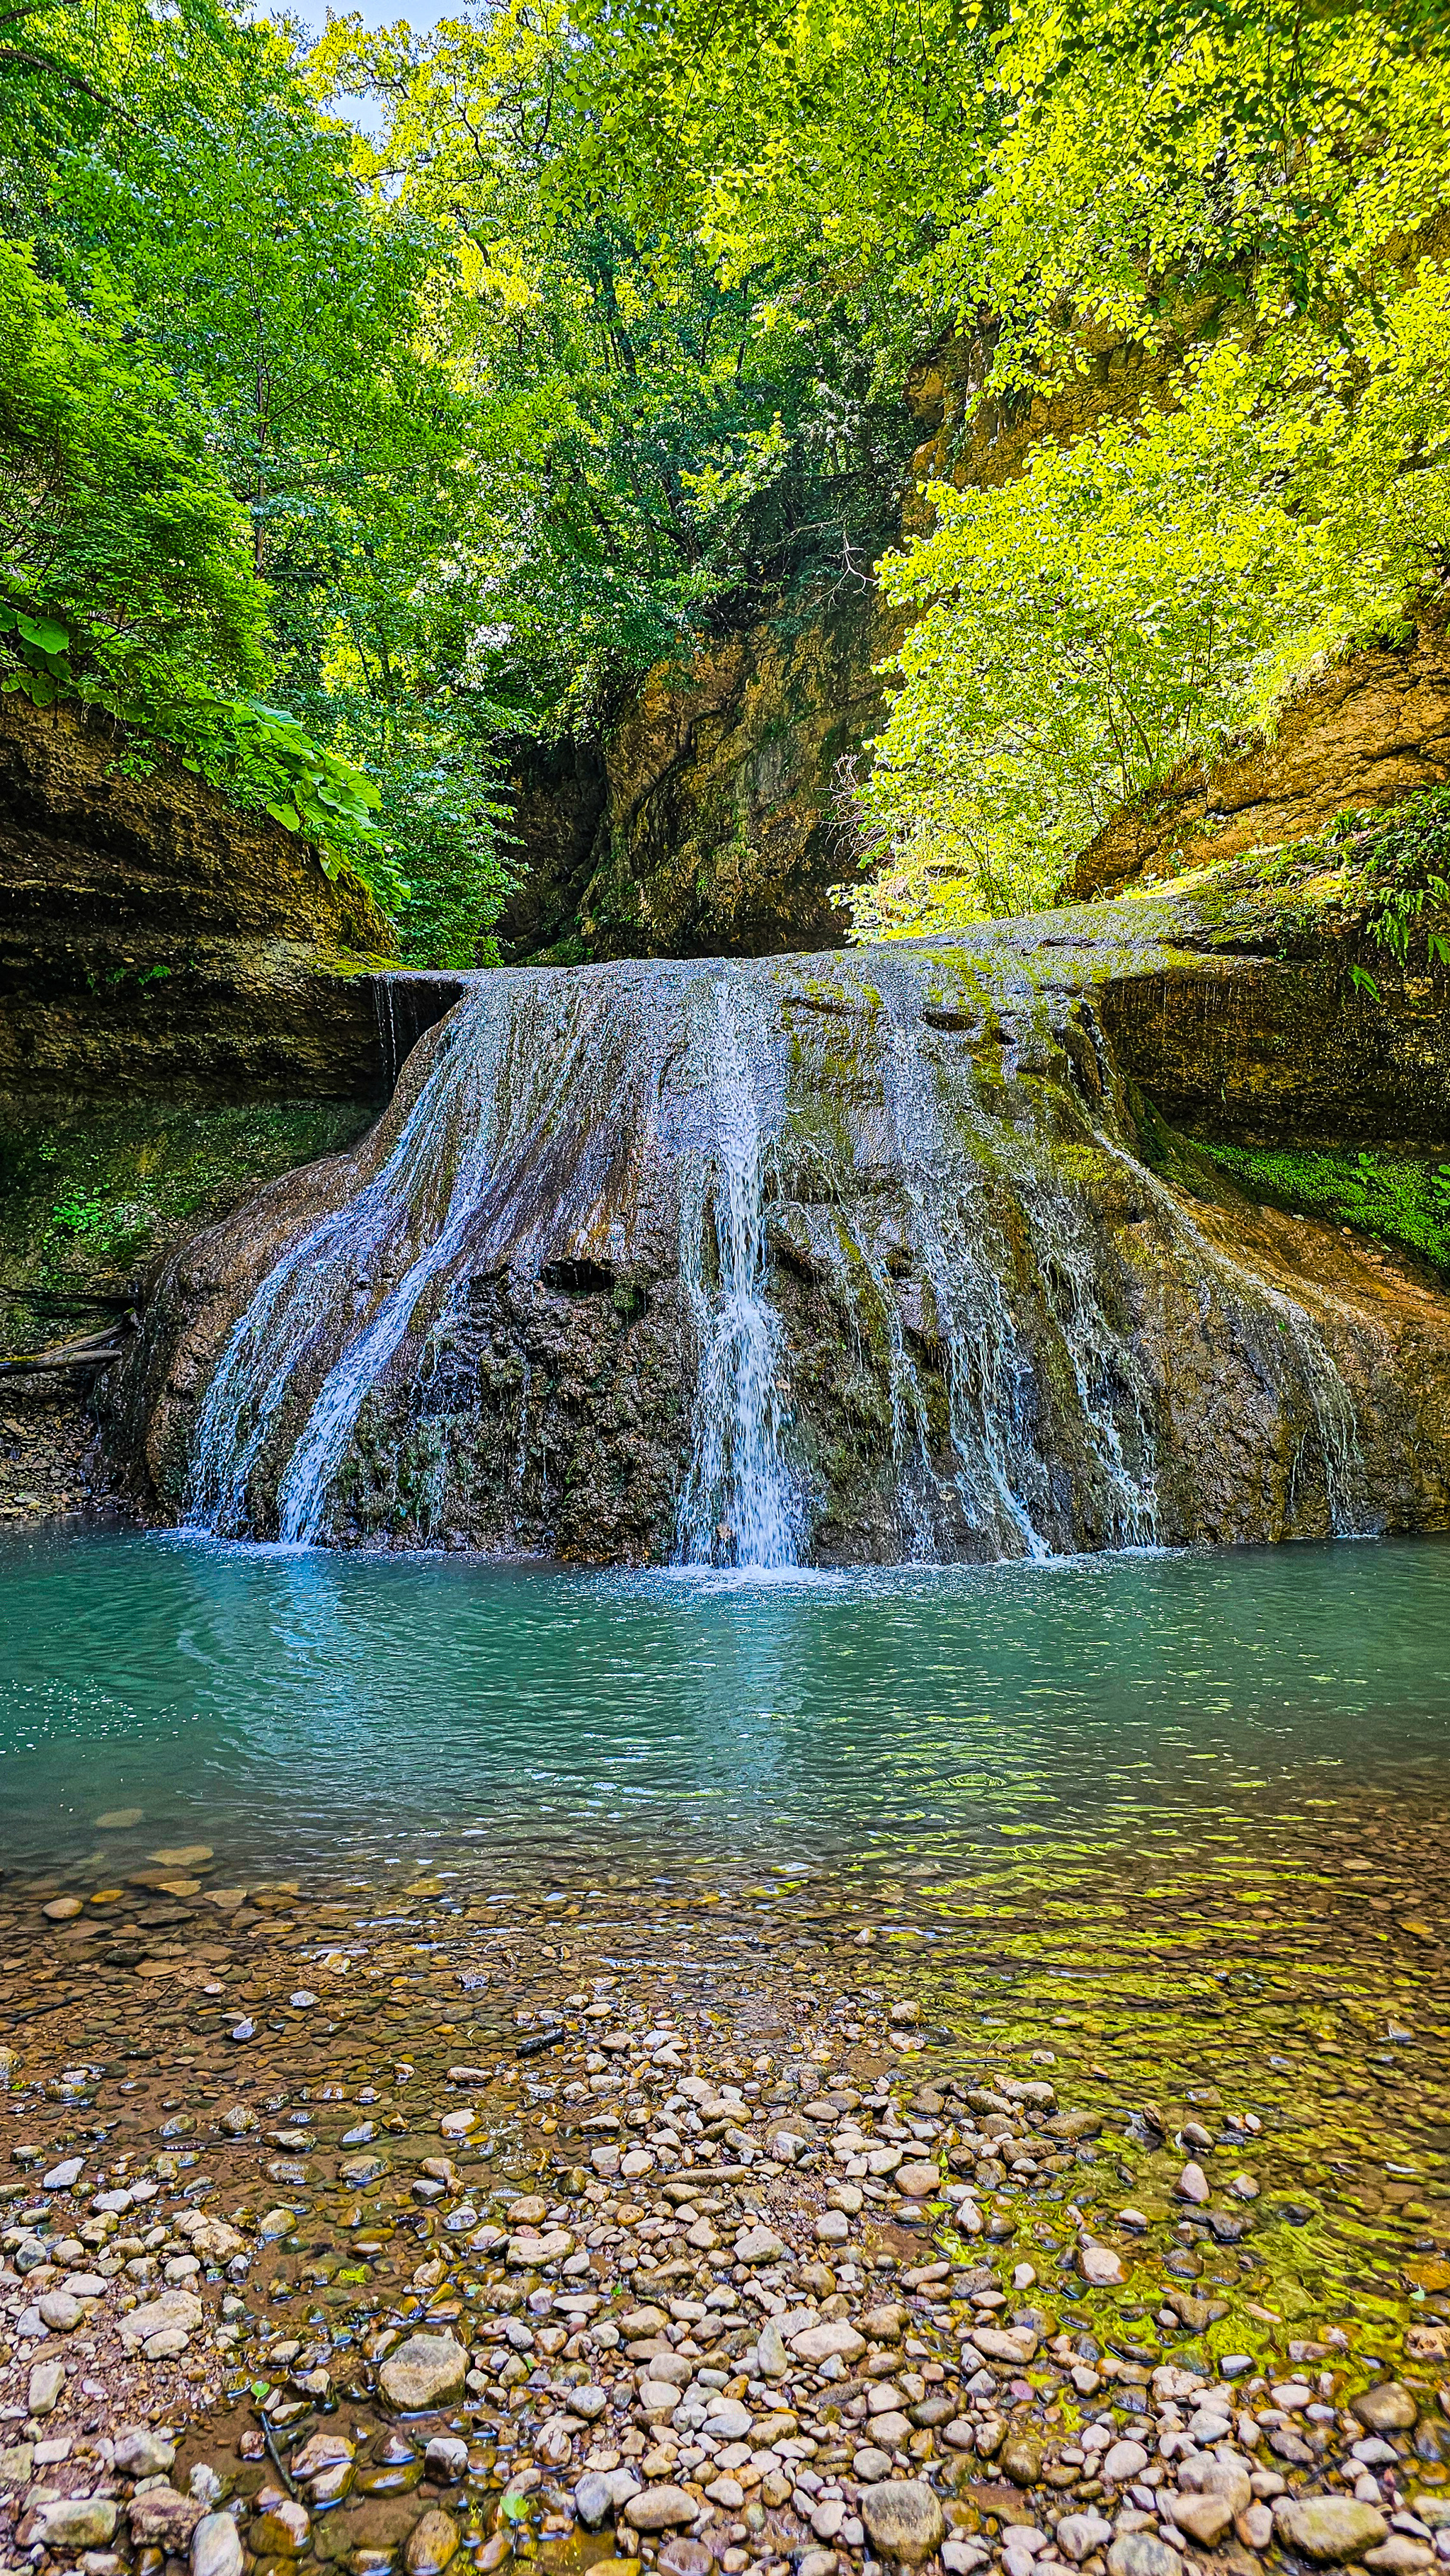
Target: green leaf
286 815
43 633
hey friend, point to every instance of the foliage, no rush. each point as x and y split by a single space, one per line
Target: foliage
1391 1196
1136 598
112 513
659 442
417 444
1403 854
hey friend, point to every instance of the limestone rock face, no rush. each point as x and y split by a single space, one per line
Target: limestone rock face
705 820
1370 730
152 936
998 1304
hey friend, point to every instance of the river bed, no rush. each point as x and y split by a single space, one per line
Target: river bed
290 1838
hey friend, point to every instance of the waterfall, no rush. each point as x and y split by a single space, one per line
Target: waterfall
739 1504
757 1262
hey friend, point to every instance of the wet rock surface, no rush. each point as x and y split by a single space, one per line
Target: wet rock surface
897 1229
393 2228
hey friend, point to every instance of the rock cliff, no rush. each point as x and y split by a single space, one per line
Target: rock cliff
152 936
704 820
923 1250
186 1008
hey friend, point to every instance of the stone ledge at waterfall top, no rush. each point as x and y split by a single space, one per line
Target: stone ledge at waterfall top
856 1257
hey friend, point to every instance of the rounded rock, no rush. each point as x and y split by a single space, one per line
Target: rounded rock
216 2546
1389 2408
1138 2553
1205 2518
425 2372
1328 2529
1123 2461
432 2544
660 2509
903 2519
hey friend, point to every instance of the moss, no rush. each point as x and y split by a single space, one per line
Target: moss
89 1196
1399 1198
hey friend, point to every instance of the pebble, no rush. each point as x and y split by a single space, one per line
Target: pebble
74 2523
1138 2553
903 2519
771 2352
46 2387
216 2546
1389 2408
1329 2529
424 2372
432 2544
661 2508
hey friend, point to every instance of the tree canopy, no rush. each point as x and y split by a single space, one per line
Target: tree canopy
342 457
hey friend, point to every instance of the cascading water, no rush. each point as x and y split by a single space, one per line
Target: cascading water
739 1504
751 1263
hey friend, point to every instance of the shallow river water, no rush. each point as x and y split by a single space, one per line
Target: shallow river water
301 1709
1169 1829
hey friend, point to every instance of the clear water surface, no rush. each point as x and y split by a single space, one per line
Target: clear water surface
322 1713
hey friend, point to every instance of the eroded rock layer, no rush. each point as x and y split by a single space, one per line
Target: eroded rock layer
841 1257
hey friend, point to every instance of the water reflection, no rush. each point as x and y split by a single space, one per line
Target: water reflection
302 1707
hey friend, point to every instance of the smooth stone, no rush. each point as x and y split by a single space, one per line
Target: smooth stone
163 2519
681 2557
917 2181
46 2387
175 2311
140 2453
871 2465
1137 2553
833 2227
1082 2533
60 2311
216 2546
592 2500
1123 2461
62 1909
64 2176
1389 2408
1330 2529
425 2372
728 2420
1400 2555
1193 2184
319 2452
446 2457
772 2359
1205 2518
75 2522
903 2519
1020 2460
282 2533
432 2544
1100 2266
816 2562
660 2509
816 2344
759 2245
1226 2476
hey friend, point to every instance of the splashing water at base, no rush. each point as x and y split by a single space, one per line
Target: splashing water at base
739 1504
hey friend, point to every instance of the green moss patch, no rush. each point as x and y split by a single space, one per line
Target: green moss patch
89 1196
1401 1199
